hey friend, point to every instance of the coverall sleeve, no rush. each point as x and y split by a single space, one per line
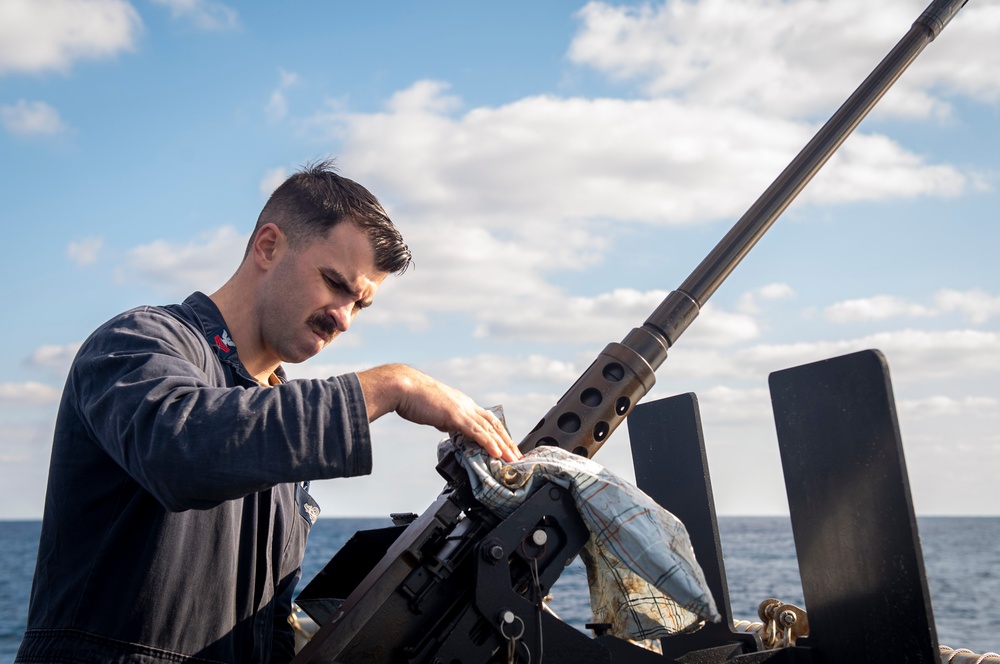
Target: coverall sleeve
152 394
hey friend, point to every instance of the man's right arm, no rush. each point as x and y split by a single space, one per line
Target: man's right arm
148 391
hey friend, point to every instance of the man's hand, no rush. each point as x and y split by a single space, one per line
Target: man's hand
417 397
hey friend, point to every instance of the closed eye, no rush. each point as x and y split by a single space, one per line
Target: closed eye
335 283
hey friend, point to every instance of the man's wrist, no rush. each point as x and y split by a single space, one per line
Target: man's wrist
383 387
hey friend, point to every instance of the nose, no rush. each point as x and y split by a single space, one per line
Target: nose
342 315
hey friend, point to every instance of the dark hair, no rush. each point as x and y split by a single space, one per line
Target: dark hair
315 199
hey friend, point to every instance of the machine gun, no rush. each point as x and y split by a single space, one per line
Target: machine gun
460 584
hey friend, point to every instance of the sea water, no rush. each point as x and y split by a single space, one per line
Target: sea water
961 558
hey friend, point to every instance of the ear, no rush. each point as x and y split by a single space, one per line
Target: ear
268 246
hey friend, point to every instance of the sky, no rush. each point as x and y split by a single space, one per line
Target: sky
556 168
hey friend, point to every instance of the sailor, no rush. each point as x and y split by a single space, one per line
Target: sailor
177 509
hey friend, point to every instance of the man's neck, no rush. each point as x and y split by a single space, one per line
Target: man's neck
239 318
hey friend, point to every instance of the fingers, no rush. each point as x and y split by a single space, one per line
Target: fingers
493 437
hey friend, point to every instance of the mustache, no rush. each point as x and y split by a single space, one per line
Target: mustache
323 324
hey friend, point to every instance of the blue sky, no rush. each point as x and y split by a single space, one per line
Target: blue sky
556 167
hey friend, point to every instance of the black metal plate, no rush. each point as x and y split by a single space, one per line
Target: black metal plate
852 513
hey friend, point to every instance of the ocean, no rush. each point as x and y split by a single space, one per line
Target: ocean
961 557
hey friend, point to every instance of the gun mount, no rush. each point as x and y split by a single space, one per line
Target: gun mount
460 584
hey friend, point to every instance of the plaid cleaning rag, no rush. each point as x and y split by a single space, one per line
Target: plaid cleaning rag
644 578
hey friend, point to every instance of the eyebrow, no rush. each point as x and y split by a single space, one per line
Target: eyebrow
334 275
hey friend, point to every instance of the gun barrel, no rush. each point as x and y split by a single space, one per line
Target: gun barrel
624 372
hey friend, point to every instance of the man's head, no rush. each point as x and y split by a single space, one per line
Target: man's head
320 250
314 200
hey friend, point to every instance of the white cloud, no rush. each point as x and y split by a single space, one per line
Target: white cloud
203 14
532 372
921 356
424 96
25 448
576 319
685 364
878 307
775 291
277 105
602 318
526 386
475 373
461 266
31 118
737 419
484 194
272 180
944 405
86 251
18 395
930 356
717 327
946 64
500 285
38 35
673 49
749 304
851 173
288 78
317 368
565 160
54 358
728 405
976 306
176 269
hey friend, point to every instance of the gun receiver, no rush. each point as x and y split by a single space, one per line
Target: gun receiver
450 585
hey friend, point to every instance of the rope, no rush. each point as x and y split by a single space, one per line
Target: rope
781 624
966 656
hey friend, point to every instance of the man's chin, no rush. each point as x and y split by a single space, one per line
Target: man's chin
322 341
300 355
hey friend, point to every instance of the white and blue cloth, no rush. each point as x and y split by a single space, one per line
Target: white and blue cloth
644 579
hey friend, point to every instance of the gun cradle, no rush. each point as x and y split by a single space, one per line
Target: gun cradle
458 584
